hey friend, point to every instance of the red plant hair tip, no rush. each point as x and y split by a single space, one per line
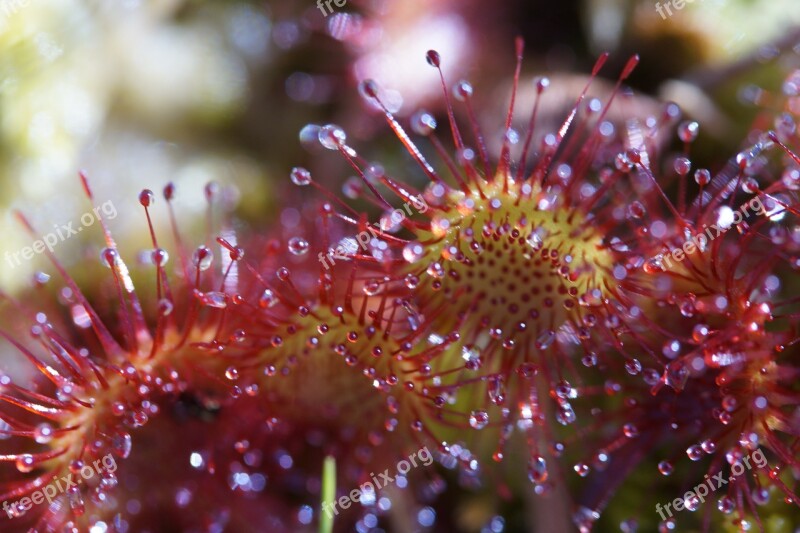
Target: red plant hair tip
629 66
600 62
505 156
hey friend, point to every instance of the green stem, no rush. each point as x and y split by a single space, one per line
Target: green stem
328 494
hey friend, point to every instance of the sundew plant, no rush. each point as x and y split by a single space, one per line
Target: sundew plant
388 267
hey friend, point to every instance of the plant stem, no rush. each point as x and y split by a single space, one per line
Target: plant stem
328 494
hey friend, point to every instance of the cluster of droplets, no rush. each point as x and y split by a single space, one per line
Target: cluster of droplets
111 388
723 367
687 333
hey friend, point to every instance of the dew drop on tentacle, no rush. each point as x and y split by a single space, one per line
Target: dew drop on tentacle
537 469
582 469
633 366
565 415
584 518
25 463
726 505
109 257
675 375
121 444
688 131
478 419
462 90
216 299
700 332
671 348
702 177
423 123
298 246
43 433
413 252
147 198
630 430
545 340
636 210
202 258
411 281
332 136
232 373
165 307
76 502
692 503
497 391
267 299
708 446
433 58
300 176
372 287
694 452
